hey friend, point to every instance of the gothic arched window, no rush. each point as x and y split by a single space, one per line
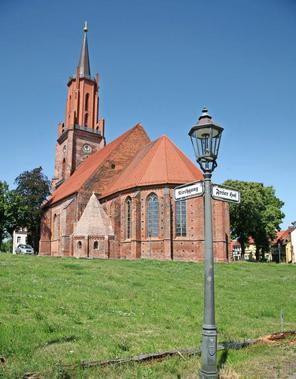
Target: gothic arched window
96 245
152 215
63 168
86 102
181 218
86 120
79 244
55 227
128 217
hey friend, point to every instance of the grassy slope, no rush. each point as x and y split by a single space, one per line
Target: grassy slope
64 310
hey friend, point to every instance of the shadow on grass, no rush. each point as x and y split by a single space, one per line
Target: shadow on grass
222 359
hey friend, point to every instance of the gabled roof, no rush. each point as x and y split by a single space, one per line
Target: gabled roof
159 162
284 236
94 220
87 168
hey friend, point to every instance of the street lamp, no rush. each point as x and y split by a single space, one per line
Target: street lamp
205 137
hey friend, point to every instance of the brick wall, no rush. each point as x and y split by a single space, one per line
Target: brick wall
167 245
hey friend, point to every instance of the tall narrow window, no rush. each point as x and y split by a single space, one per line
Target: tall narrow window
181 218
128 213
56 227
86 120
86 102
152 215
63 168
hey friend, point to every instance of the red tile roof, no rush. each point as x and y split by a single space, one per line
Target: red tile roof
284 235
87 168
159 162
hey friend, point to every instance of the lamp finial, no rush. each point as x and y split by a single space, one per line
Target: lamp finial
85 29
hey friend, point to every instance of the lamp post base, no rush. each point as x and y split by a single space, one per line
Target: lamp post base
208 353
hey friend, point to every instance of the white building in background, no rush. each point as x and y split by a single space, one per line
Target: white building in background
293 243
19 237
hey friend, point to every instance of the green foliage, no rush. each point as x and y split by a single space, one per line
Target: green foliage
3 205
16 211
6 246
32 188
13 210
21 207
258 215
56 312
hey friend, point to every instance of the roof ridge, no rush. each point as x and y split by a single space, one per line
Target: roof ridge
152 143
148 147
166 157
183 157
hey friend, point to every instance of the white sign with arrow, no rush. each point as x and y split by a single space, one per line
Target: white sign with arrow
226 194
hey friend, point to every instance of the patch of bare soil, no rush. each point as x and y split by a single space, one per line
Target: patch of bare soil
278 337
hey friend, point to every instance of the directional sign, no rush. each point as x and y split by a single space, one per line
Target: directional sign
189 190
226 194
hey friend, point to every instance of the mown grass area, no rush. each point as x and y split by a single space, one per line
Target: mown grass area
57 311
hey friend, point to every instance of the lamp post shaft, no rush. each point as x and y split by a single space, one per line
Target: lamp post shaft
209 330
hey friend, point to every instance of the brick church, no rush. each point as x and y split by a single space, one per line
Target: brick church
116 200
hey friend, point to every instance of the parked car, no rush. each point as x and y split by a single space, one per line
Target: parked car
24 249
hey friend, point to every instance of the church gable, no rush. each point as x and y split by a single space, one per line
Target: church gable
96 171
117 161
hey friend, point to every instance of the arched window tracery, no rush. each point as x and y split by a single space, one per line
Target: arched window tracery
128 218
153 209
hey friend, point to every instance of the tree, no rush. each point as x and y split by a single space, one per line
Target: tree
258 215
33 188
12 211
3 204
15 212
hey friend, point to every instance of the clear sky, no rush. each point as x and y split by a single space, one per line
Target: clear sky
160 62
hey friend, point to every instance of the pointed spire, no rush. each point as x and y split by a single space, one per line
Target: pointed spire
83 66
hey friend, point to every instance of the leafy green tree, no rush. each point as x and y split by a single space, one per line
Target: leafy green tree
16 212
33 187
12 211
258 215
3 204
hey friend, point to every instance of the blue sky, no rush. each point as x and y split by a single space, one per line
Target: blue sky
160 62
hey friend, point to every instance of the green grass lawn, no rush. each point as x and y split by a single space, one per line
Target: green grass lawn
57 311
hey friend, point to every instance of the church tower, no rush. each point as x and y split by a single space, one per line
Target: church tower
82 133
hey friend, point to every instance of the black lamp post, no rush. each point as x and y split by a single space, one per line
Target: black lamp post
205 137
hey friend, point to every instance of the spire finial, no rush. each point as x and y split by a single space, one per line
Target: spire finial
85 29
83 66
